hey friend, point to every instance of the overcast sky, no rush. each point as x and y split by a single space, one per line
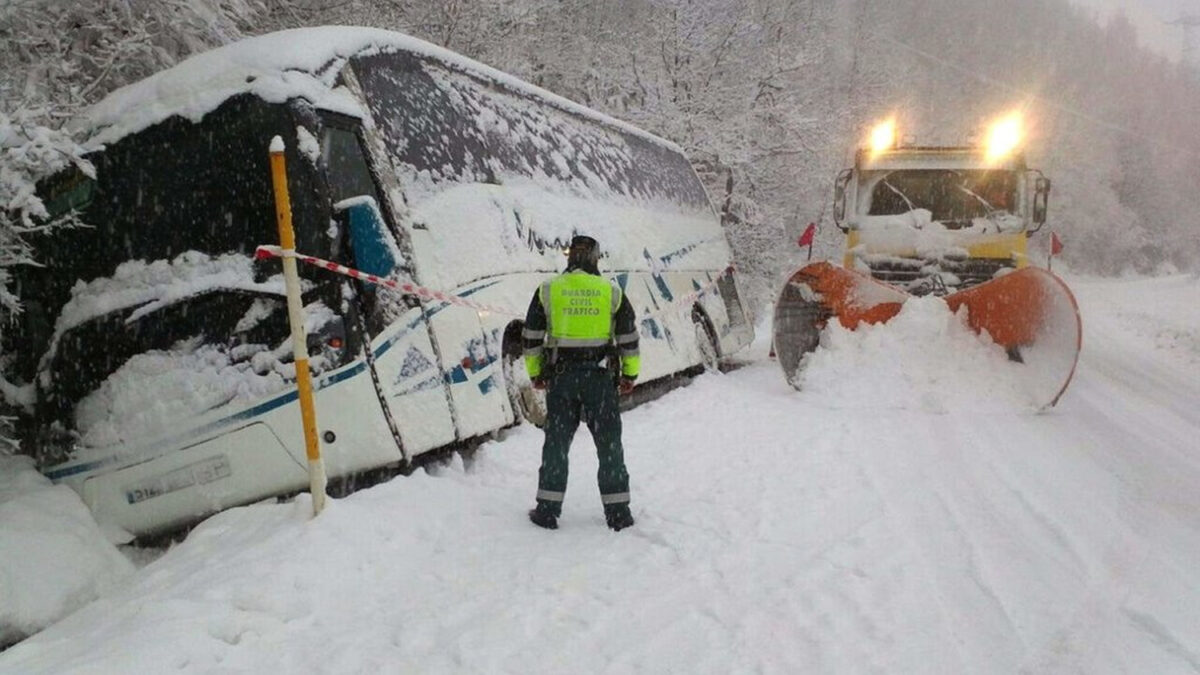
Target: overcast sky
1150 17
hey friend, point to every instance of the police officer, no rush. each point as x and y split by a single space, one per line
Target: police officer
576 322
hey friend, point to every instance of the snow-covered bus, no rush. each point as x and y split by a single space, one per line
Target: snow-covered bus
160 371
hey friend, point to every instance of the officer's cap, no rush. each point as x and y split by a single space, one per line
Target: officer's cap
584 249
582 241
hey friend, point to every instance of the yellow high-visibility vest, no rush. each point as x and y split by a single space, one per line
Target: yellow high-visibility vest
579 309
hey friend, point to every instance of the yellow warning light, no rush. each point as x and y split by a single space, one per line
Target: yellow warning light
1004 137
883 136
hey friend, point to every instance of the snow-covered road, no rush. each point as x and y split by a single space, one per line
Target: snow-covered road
910 521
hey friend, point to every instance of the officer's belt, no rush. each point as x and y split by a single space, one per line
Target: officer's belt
563 365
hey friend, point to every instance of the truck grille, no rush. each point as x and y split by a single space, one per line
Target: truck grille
938 276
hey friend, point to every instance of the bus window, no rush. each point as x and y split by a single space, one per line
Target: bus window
69 191
360 214
449 128
345 167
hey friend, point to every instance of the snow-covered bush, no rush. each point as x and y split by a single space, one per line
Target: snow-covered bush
28 153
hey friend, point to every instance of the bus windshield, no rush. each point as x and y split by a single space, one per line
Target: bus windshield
133 373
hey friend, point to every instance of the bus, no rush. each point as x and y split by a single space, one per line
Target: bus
157 346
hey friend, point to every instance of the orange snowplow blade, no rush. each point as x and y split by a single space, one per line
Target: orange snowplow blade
1033 314
852 298
818 292
1030 312
1011 308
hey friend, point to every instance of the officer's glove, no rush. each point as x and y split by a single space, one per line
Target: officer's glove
539 383
626 386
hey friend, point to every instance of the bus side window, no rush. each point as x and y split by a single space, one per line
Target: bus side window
357 209
345 166
370 243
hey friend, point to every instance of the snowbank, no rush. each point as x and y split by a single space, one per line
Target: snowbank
924 358
53 557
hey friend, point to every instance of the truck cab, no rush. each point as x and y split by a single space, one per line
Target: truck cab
935 219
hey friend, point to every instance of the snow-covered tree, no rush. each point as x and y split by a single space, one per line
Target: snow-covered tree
56 58
59 56
28 152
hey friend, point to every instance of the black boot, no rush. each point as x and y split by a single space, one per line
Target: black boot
543 519
618 517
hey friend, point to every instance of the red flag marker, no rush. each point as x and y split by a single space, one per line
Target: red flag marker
1056 247
806 239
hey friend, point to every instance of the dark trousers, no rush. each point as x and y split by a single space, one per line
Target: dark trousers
587 394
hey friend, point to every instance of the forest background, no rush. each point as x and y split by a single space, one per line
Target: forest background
769 98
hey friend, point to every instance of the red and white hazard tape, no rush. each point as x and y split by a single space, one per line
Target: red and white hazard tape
405 287
409 288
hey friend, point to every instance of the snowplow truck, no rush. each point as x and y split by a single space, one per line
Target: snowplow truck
947 221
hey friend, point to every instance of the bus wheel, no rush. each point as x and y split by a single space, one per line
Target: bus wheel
706 342
527 402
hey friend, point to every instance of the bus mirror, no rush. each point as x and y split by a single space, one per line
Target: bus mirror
839 196
1041 198
370 240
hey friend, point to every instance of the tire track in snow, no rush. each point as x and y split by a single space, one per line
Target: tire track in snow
752 519
909 470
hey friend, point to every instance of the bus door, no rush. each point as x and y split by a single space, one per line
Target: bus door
471 360
402 358
468 341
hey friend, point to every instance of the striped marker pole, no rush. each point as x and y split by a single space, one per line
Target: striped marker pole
291 279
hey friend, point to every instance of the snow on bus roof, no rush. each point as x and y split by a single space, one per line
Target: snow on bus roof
298 63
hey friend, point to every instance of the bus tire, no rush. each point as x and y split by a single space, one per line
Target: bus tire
527 403
706 342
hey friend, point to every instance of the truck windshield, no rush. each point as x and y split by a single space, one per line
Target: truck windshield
951 197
